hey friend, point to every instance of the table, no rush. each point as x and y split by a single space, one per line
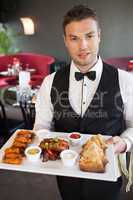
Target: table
10 97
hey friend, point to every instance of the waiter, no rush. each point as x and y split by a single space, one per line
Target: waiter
90 97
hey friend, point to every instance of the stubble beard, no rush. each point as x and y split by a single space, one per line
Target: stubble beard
84 65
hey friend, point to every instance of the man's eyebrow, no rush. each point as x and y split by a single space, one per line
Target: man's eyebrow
88 33
71 35
91 32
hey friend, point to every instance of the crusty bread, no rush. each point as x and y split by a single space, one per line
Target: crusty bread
92 156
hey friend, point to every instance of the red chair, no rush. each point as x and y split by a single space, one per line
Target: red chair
41 64
120 62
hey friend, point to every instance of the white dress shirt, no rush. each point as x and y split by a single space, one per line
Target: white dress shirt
79 103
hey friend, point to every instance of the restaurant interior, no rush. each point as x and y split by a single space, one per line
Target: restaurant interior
32 47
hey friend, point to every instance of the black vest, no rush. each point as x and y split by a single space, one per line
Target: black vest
104 114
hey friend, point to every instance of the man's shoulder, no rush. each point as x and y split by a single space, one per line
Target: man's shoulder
110 71
126 76
62 72
49 78
109 67
63 69
126 83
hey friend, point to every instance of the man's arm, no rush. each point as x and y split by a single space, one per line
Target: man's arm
43 106
125 141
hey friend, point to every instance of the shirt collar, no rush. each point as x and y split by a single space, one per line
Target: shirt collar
98 67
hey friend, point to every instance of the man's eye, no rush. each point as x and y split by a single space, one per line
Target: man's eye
90 36
73 39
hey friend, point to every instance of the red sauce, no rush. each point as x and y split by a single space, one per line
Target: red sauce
75 136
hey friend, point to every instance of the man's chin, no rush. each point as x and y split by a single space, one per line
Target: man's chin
83 63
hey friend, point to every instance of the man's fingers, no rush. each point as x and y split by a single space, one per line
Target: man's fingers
116 139
119 144
109 141
113 140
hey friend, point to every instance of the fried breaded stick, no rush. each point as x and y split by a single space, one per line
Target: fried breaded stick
13 155
26 133
19 144
12 150
16 161
23 139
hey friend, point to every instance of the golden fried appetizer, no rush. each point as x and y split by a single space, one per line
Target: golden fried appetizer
12 155
15 153
23 139
16 161
26 133
12 150
19 144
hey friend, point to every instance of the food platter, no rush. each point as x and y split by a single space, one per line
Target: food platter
56 167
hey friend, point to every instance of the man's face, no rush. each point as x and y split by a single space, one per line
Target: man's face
82 40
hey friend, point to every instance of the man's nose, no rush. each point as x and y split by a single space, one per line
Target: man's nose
83 43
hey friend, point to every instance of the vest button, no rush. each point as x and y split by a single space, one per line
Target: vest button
83 102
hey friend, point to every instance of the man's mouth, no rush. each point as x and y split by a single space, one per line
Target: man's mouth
83 55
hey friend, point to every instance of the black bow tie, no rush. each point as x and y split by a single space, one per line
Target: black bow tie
91 75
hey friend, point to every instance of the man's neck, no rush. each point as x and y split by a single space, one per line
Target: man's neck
84 69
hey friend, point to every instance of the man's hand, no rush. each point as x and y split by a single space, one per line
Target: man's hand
120 145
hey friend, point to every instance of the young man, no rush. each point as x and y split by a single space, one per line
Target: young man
94 102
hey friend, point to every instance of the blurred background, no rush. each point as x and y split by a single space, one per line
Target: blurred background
115 17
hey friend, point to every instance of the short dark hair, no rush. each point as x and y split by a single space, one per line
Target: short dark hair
78 13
